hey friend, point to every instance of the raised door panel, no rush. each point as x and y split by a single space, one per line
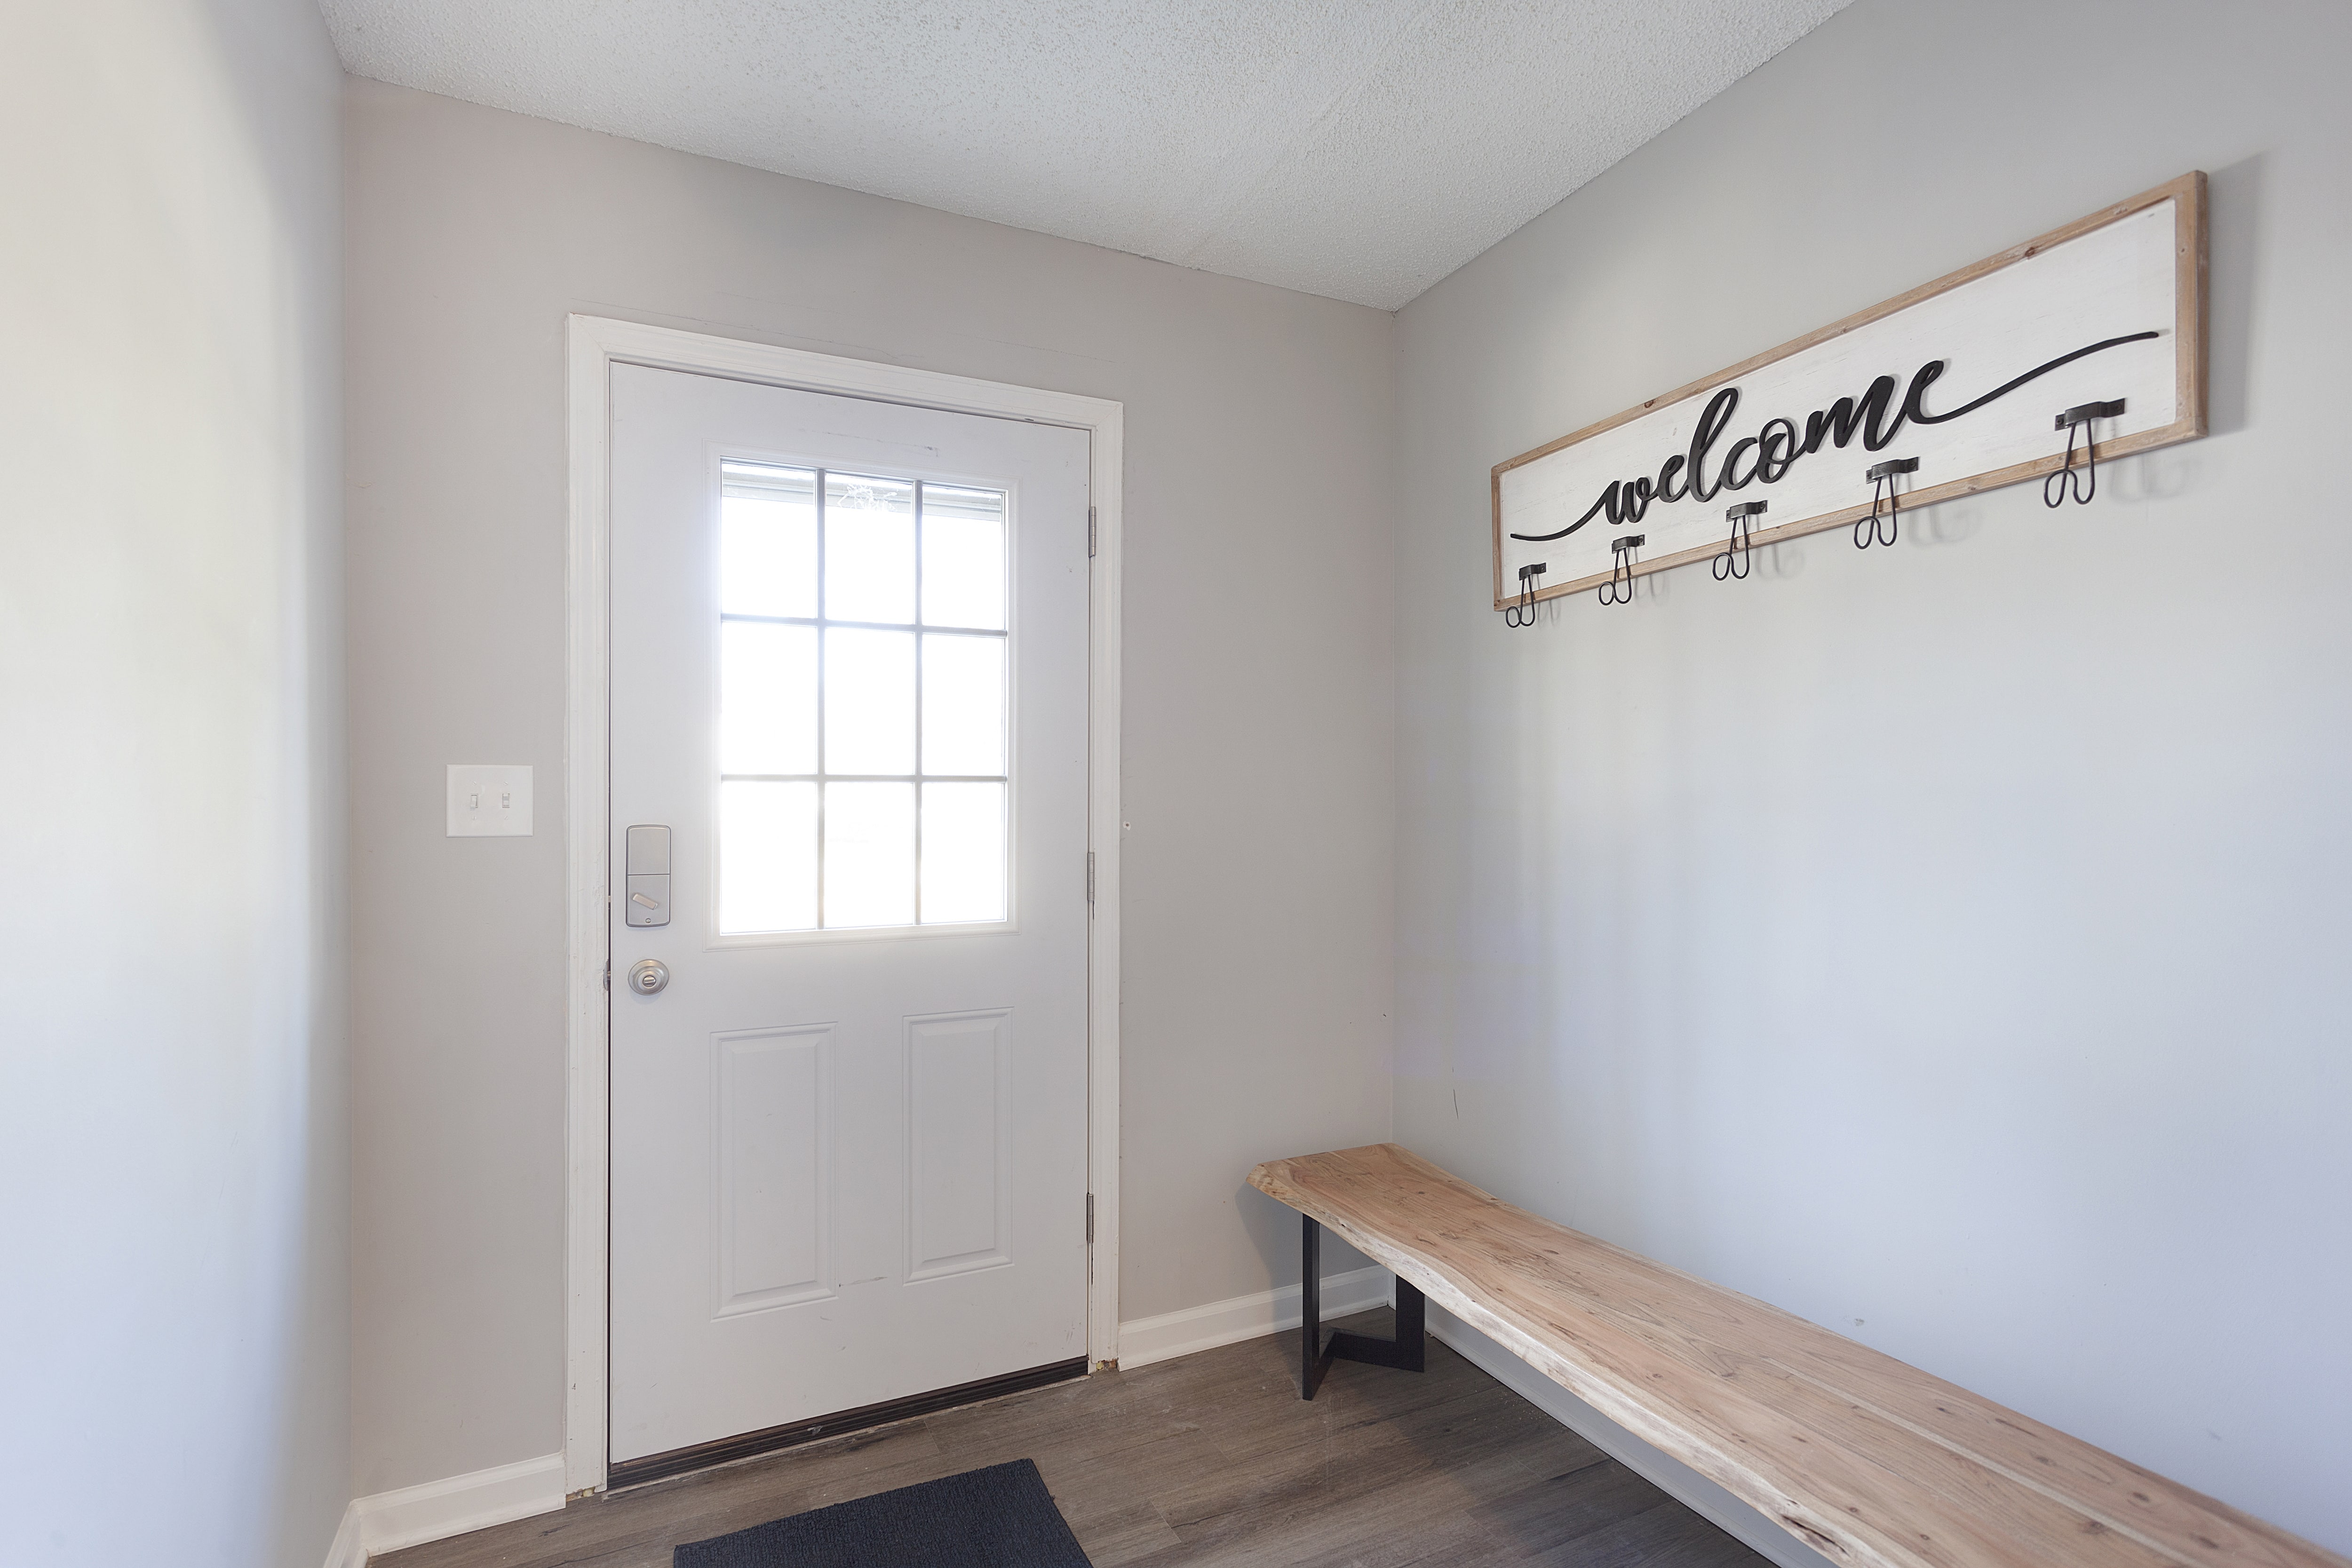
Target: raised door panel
772 1168
958 1142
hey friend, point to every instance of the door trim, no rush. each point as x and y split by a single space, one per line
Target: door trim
593 344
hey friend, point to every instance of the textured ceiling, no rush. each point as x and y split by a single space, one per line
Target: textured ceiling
1361 150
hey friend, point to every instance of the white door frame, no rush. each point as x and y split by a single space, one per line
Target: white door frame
595 344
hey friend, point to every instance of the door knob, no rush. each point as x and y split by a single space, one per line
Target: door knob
647 976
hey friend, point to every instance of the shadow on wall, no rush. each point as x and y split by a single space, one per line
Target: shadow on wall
2234 224
178 1096
1273 1231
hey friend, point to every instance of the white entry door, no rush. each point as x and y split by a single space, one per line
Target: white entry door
849 822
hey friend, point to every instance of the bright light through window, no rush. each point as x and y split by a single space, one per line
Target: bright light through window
863 742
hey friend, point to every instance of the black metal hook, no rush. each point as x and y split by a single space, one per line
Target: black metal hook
1522 613
1619 589
1737 558
1882 527
2083 484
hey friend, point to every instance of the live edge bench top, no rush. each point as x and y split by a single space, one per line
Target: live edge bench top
1868 1460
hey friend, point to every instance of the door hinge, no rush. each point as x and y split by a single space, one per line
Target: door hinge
608 974
1090 876
1091 1217
1090 533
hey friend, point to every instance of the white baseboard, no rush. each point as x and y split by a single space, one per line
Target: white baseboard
1662 1470
1147 1339
346 1552
438 1509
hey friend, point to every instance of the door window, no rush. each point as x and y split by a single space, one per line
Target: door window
863 748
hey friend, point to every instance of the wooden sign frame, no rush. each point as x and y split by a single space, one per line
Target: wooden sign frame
2190 353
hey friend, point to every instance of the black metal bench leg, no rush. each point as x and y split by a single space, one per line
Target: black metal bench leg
1412 1327
1311 1361
1408 1352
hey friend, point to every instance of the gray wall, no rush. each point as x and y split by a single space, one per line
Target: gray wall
1258 688
1946 943
173 1305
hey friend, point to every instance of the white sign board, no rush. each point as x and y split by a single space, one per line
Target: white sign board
1968 375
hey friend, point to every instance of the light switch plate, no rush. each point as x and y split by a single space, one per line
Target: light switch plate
490 800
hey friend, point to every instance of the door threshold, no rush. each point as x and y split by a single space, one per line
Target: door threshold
624 1473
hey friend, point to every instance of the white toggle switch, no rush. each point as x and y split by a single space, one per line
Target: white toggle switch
490 800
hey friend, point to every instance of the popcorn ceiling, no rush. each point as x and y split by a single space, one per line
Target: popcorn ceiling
1356 150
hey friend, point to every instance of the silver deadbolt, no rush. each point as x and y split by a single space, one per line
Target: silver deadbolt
647 976
646 866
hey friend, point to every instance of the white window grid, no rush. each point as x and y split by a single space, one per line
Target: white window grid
918 627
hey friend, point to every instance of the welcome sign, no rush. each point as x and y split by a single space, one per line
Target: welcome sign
1974 378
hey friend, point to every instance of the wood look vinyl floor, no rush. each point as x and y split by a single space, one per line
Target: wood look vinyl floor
1207 1460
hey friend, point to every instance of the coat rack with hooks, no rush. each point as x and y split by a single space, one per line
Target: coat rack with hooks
2104 319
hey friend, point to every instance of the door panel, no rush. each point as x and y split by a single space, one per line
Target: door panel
958 1143
774 1171
849 675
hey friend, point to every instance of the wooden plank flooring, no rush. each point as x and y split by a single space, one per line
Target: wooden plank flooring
1208 1459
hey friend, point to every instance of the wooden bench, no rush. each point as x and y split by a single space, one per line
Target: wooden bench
1862 1457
